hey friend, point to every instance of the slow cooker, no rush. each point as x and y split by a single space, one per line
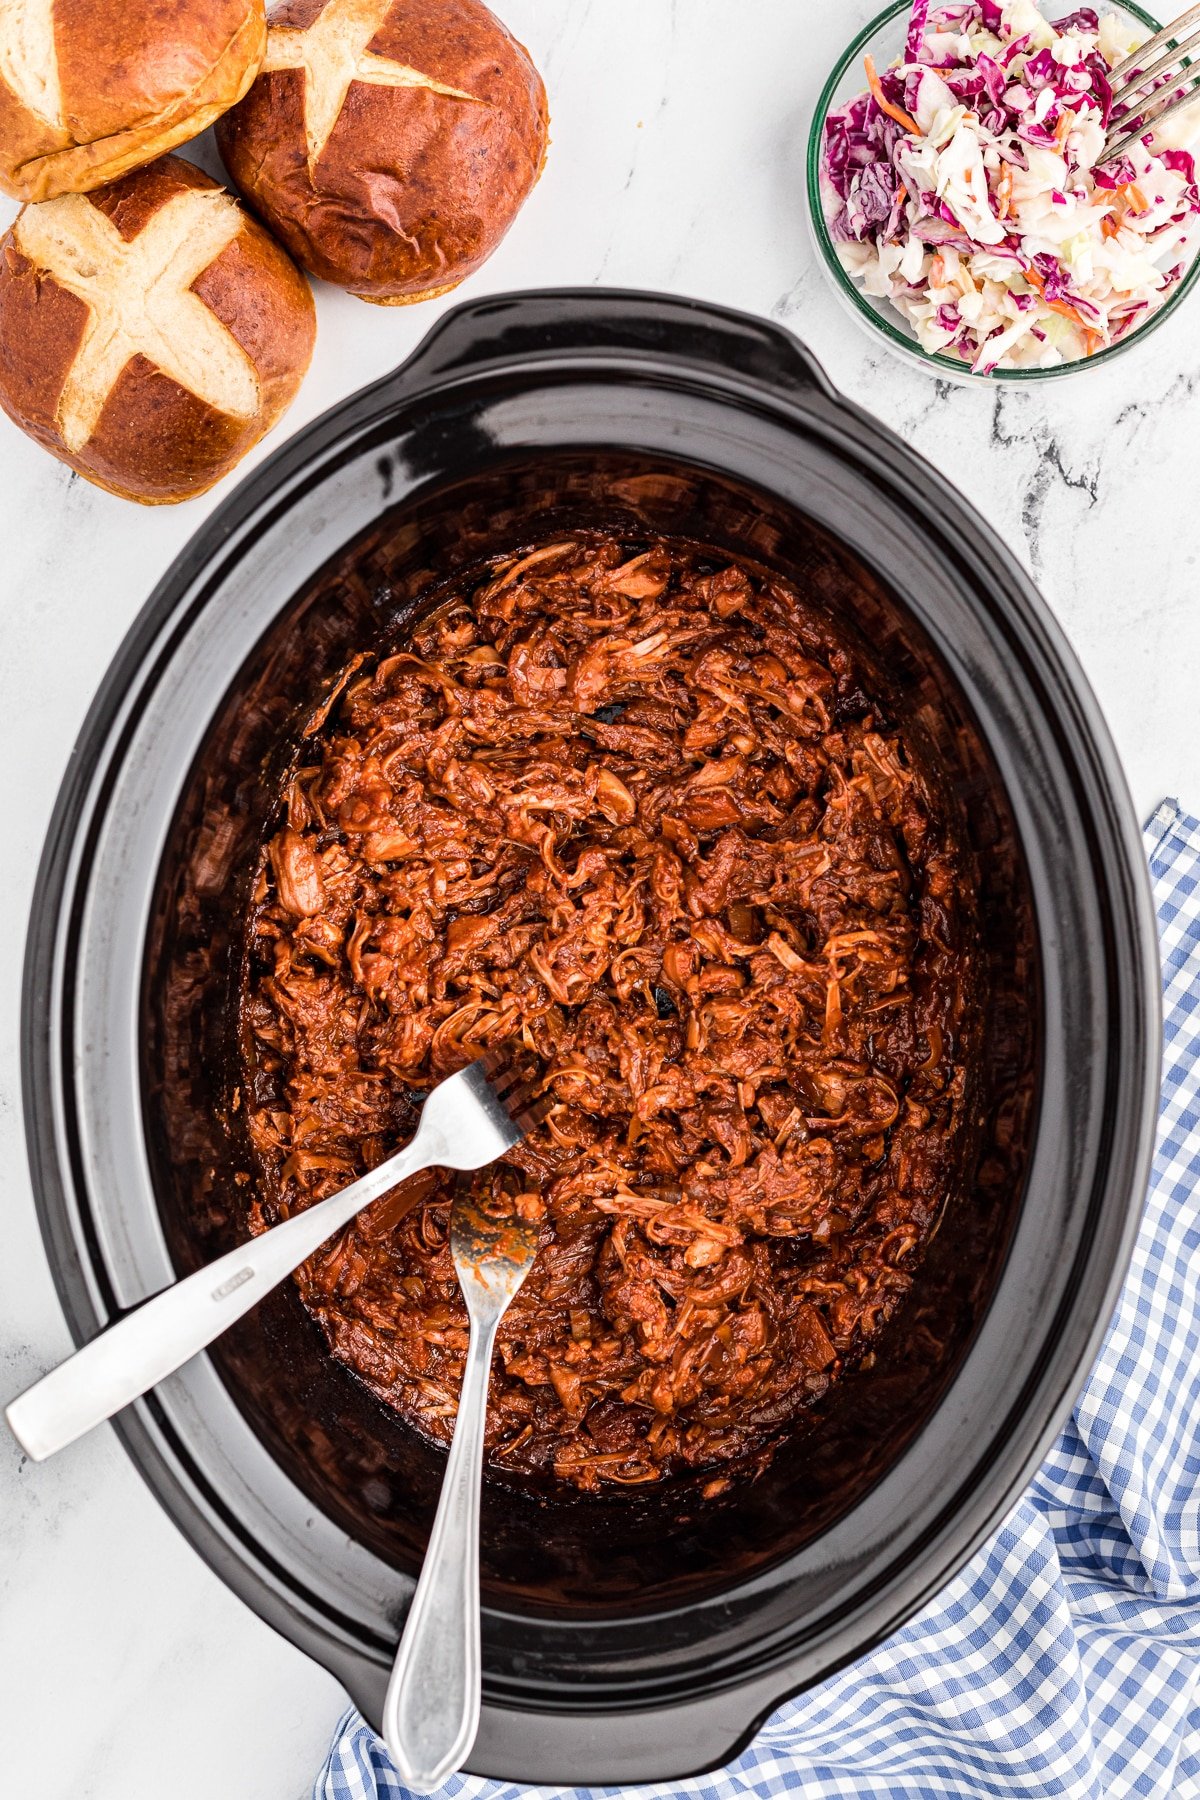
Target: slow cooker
641 1637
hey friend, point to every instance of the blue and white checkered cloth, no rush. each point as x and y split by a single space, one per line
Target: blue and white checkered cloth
1064 1660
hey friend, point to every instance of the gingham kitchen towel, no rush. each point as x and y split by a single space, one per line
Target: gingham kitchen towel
1065 1659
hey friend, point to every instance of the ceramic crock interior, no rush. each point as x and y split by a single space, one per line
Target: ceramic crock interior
357 1462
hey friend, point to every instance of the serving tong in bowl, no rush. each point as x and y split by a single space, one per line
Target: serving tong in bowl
1144 93
431 1714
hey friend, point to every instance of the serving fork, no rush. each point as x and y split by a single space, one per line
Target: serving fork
1144 93
431 1712
466 1122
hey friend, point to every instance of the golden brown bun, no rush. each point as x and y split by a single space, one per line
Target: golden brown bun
151 332
388 143
90 89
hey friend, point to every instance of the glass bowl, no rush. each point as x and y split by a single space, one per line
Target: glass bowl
884 39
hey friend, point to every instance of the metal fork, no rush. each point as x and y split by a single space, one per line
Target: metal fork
431 1712
466 1122
1140 111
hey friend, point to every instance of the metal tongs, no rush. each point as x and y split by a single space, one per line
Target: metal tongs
1156 80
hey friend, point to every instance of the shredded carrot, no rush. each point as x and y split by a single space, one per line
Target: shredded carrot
1004 189
1136 195
1062 307
1066 123
937 271
1092 339
884 104
1110 225
901 194
1070 312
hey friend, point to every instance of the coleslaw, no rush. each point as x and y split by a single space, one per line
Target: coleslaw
965 186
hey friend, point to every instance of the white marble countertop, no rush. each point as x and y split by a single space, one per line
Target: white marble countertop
679 130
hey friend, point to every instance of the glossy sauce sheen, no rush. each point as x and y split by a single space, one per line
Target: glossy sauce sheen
630 807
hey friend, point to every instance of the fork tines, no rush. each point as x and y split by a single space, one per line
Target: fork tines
1144 93
518 1089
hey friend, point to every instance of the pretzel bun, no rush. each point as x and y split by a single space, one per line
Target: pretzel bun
388 143
150 332
90 89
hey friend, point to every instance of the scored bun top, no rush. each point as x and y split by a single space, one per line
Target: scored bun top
150 332
388 143
90 89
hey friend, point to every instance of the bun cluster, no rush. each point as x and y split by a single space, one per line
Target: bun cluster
151 330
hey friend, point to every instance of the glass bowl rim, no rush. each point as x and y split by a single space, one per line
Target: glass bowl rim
877 321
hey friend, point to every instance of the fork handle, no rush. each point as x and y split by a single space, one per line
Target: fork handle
431 1713
161 1334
